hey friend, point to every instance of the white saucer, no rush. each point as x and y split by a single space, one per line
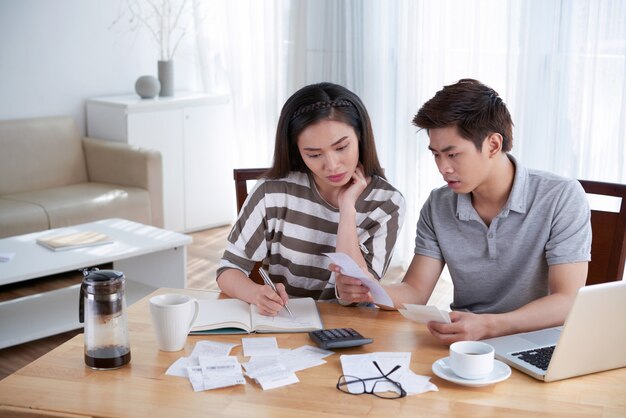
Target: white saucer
501 371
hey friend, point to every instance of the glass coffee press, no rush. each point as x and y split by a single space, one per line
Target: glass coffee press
102 308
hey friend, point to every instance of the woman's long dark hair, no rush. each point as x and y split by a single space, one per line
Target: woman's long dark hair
311 104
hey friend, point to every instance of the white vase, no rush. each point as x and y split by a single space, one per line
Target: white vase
166 77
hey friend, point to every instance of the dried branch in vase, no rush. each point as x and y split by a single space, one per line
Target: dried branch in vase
166 21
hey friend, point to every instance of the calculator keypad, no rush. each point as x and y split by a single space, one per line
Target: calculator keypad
338 338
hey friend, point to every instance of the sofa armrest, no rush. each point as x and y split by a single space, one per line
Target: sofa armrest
127 165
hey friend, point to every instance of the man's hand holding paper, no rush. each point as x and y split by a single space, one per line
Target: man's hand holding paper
355 285
425 314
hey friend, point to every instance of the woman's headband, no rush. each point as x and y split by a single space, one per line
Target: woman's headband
321 105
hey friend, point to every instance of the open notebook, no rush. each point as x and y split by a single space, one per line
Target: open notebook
234 316
593 338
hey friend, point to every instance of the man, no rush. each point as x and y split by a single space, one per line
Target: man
517 241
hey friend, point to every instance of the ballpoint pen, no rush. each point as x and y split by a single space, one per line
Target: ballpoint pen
269 282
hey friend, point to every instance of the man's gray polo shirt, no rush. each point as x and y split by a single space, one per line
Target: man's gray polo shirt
546 221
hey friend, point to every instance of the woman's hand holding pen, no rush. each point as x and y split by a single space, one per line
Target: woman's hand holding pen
268 301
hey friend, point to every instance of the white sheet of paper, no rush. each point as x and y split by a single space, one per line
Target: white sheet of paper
362 366
350 268
299 360
414 384
216 372
195 378
294 360
179 367
276 379
260 346
202 348
304 357
425 313
310 351
209 348
305 315
270 372
259 364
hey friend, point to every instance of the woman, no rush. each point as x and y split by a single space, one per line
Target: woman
325 192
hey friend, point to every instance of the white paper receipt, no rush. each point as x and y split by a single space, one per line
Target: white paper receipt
350 268
425 313
260 346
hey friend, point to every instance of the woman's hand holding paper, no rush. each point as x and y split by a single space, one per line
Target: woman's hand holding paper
350 289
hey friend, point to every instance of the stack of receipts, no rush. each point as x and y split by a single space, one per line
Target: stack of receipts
210 367
274 371
215 372
425 313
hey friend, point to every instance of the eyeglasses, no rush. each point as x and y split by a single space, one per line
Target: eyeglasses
356 386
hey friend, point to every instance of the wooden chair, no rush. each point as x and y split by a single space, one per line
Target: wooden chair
242 176
608 246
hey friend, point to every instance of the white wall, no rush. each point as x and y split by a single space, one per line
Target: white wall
55 54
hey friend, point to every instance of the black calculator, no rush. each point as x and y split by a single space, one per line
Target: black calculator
338 338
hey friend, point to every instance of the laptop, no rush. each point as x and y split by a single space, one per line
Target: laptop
592 339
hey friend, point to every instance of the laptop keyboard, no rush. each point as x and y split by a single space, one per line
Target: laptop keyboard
538 357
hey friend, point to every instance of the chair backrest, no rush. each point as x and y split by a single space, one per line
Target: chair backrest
242 176
608 246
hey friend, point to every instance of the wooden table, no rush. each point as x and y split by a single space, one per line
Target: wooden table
59 382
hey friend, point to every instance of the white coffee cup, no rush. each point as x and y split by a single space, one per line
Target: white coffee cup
172 315
471 359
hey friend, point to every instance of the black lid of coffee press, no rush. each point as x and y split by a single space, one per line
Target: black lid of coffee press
103 281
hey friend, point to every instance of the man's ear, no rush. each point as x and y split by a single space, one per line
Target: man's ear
493 144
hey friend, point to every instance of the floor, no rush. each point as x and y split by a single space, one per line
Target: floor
203 256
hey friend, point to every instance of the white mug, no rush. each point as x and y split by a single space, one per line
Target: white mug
471 359
173 315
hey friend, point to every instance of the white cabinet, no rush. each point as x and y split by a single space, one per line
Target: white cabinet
193 134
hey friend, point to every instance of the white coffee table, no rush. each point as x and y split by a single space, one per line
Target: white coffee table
149 257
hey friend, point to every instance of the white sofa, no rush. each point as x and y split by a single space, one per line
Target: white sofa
50 177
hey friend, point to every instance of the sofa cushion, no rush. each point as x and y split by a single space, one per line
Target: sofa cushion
40 153
17 218
87 202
